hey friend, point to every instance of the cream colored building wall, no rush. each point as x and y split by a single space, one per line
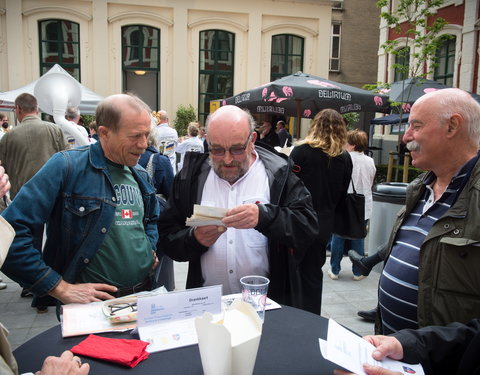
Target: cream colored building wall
253 22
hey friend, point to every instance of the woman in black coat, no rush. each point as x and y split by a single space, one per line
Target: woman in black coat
326 169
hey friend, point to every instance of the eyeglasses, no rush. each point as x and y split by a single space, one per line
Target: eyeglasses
122 306
234 150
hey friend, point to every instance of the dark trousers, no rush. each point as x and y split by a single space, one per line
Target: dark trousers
312 276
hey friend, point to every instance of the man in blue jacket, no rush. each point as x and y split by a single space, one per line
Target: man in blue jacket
100 210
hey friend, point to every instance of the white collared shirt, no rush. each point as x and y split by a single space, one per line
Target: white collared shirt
237 252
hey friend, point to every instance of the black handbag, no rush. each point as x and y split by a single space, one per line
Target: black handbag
350 217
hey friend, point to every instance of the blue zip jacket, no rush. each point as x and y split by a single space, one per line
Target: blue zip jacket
73 194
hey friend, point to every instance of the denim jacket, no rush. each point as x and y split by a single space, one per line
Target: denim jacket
74 195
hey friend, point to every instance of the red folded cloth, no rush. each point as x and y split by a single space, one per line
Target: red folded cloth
125 352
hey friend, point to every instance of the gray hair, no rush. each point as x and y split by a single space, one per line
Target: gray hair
163 115
72 113
453 100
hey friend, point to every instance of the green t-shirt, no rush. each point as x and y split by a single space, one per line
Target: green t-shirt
125 256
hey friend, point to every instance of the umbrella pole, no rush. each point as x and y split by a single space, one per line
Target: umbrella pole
297 131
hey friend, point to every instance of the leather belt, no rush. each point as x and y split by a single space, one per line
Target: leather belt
145 285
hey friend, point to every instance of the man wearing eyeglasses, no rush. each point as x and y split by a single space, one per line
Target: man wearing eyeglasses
3 124
270 219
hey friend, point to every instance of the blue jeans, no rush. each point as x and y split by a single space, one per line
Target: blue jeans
338 243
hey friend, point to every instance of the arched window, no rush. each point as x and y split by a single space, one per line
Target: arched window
140 62
445 60
401 64
60 44
215 80
287 55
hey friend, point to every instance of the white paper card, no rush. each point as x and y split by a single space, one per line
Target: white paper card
167 321
350 351
206 215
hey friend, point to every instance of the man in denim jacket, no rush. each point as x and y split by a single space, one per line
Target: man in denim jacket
100 210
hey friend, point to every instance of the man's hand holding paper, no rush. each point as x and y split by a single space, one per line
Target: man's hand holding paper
208 235
206 215
244 216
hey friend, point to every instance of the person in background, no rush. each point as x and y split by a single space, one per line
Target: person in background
451 349
202 135
96 202
25 149
191 144
326 169
284 137
269 221
4 124
363 175
92 129
365 264
167 138
158 167
72 114
268 135
430 276
160 171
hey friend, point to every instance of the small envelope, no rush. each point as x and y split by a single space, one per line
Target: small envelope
229 347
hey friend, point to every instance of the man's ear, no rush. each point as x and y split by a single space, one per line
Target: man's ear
254 136
102 131
455 123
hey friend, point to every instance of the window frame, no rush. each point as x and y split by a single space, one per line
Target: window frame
141 49
287 55
400 76
61 45
449 61
219 51
334 36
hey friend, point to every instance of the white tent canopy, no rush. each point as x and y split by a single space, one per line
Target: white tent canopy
88 103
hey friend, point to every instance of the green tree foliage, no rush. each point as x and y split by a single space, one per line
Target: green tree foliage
184 115
422 39
351 119
416 52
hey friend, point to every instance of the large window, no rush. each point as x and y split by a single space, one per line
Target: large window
335 47
60 44
140 47
140 62
287 55
216 68
401 64
445 60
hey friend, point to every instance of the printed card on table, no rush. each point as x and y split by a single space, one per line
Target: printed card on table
166 321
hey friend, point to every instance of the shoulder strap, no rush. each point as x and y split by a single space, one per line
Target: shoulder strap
149 167
353 186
